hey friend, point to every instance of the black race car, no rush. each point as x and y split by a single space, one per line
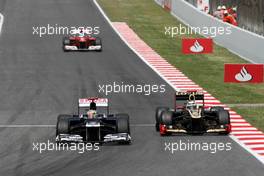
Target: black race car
94 124
191 117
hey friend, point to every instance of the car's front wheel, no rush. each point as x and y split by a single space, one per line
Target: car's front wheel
65 41
224 119
159 111
122 123
98 42
63 124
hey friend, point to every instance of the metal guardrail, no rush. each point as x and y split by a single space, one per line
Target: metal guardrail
246 44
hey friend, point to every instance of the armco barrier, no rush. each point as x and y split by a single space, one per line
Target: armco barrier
246 44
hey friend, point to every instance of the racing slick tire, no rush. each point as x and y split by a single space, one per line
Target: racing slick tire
63 124
217 108
224 119
122 123
65 41
159 111
98 41
166 118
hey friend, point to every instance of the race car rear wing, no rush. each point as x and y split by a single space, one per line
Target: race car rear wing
182 97
100 102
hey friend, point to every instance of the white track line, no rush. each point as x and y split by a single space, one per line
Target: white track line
1 22
27 126
53 126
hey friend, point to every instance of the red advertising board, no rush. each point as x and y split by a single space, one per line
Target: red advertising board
197 46
247 73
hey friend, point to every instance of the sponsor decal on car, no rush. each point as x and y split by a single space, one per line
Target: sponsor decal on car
197 46
244 73
100 102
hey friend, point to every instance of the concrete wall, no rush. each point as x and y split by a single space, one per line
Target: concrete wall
248 45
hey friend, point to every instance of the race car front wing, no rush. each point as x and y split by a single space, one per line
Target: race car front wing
75 48
117 137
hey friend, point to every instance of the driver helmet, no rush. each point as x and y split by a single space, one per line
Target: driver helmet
93 106
194 109
191 105
92 111
81 33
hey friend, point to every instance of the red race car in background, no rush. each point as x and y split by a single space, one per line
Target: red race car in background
81 42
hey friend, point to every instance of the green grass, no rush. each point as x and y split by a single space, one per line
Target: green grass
148 20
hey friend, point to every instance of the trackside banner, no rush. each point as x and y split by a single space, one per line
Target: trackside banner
244 73
197 46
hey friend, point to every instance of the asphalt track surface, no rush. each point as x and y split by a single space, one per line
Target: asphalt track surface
39 81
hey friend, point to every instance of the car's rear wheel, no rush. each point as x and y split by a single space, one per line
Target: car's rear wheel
159 111
63 124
